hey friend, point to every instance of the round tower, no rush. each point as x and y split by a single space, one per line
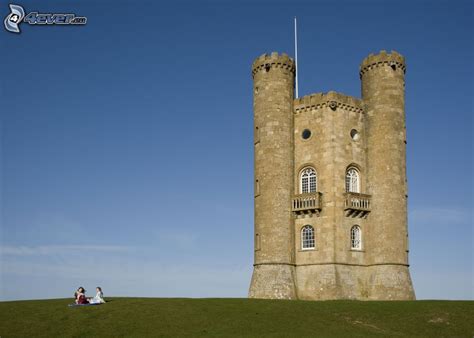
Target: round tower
383 93
273 274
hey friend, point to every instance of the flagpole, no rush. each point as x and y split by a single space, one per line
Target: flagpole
296 58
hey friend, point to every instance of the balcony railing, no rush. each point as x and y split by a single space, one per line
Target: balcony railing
306 203
357 205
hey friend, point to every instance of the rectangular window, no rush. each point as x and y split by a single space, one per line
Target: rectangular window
312 184
304 185
356 238
307 237
256 135
257 242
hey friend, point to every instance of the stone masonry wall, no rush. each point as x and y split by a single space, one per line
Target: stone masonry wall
330 150
273 275
383 92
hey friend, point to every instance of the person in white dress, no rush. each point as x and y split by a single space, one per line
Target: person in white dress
99 297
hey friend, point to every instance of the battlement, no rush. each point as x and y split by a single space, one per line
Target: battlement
331 99
274 60
393 59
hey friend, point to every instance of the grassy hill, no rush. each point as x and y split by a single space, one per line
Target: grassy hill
161 317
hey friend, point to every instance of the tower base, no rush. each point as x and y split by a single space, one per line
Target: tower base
390 282
340 281
330 281
273 281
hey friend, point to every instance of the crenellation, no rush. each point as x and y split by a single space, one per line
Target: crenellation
322 100
274 60
392 59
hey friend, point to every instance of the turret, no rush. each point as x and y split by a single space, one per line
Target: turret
273 275
383 93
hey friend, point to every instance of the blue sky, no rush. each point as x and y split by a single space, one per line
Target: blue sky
126 144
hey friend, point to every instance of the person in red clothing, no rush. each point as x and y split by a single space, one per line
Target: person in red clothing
80 296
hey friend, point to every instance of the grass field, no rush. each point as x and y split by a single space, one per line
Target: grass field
161 317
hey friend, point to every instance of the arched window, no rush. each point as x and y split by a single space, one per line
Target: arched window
352 180
356 238
307 237
308 181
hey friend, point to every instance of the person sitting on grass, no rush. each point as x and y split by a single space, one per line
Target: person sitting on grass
99 297
80 296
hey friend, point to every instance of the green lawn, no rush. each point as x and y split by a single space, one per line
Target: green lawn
161 317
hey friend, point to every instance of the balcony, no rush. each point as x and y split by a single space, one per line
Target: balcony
306 203
356 205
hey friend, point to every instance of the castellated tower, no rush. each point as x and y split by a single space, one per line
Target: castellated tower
330 186
274 268
383 92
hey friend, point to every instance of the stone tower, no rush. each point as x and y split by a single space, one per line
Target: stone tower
330 186
274 268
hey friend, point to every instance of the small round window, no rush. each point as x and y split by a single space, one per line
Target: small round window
306 134
355 135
